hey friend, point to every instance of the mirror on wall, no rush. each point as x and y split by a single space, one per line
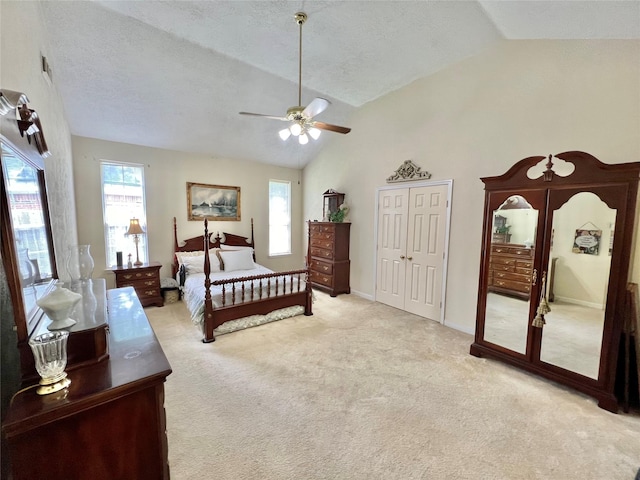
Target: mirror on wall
579 266
27 228
510 274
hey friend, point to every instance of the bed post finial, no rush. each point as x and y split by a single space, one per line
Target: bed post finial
252 242
175 235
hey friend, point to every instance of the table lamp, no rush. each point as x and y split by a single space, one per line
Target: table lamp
136 230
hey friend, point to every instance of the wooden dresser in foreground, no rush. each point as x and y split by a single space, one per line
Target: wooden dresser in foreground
145 279
510 269
110 422
329 256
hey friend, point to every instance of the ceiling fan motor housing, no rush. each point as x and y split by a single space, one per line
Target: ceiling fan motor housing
295 114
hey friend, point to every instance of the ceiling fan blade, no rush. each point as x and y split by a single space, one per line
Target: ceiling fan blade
332 128
274 117
317 105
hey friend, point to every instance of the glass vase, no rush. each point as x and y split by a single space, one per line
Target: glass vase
50 355
80 263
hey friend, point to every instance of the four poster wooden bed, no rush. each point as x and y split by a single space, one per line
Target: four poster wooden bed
244 289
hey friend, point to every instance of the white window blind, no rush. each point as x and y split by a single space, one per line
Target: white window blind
123 199
279 217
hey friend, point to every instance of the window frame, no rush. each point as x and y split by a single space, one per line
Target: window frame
289 225
143 244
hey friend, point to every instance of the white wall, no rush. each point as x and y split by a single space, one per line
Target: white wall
21 44
581 278
166 175
476 119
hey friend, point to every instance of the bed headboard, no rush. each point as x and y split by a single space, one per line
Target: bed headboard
197 243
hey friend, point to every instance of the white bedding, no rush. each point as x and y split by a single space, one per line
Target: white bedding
193 295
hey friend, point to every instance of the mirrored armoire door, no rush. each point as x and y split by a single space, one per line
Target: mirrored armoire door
514 219
556 244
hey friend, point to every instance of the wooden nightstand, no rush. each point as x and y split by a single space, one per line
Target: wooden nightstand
145 279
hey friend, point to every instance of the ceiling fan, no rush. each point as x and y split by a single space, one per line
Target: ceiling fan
300 117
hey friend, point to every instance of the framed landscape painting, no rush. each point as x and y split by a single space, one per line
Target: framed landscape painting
213 202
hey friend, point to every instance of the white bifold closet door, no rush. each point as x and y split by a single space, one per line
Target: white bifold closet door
411 248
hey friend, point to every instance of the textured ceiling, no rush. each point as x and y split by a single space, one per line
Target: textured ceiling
175 74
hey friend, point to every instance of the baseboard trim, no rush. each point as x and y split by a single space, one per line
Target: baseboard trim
460 328
366 296
582 303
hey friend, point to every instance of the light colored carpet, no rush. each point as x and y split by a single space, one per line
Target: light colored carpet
571 337
364 391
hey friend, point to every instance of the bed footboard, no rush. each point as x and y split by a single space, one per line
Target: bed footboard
256 295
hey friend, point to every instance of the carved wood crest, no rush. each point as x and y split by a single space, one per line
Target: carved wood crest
28 121
408 171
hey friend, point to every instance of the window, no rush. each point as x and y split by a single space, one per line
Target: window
122 200
279 217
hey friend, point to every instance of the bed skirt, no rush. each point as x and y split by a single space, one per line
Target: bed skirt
255 320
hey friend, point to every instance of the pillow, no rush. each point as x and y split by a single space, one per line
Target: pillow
234 247
233 260
195 263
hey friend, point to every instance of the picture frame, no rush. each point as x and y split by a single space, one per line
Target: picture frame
213 202
587 241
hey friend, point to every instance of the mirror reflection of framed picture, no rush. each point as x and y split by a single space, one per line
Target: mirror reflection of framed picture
213 202
587 242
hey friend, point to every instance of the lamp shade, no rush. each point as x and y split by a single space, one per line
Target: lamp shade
296 129
134 227
315 133
285 133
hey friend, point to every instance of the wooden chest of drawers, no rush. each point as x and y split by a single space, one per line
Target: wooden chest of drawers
329 256
144 279
510 269
110 423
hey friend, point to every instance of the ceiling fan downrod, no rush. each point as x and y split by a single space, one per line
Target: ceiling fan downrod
300 17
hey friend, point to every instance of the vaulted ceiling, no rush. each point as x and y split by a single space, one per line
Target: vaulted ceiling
175 74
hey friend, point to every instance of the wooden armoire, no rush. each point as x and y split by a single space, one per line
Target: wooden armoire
571 218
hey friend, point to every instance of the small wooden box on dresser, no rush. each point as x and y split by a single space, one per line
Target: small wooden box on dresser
329 256
145 280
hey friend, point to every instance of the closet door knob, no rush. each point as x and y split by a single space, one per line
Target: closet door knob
409 258
401 257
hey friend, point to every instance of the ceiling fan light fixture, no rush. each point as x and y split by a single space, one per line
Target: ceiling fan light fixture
314 132
296 129
285 133
301 117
